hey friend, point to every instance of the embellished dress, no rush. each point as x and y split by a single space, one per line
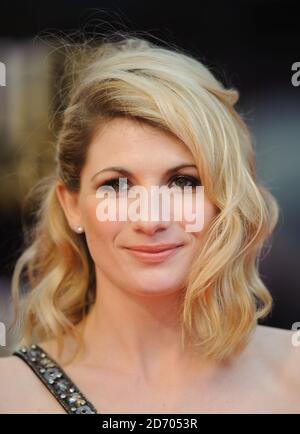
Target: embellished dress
55 379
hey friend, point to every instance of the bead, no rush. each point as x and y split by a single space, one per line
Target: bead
47 363
51 374
75 398
32 353
85 409
62 385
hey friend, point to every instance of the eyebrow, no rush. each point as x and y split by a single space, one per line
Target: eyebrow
127 173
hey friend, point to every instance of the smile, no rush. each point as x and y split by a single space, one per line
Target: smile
153 257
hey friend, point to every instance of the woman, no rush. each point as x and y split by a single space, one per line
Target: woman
143 316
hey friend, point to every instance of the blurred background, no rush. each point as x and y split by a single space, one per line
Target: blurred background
250 44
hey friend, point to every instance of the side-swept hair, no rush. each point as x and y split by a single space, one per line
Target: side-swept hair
173 91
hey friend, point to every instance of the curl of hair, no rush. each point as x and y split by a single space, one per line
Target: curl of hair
174 91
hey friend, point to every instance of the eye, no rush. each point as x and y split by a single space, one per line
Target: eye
117 184
114 182
182 181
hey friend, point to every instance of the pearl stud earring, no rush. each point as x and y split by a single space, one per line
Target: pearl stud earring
78 229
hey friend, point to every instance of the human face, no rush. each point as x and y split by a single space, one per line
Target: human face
147 153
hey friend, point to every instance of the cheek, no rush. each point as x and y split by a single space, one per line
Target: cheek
98 233
197 238
208 211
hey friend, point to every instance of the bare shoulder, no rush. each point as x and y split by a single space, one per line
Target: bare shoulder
269 370
21 391
14 380
13 373
280 344
279 350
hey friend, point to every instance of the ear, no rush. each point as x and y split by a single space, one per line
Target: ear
70 204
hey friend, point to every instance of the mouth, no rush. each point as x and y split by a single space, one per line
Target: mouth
153 254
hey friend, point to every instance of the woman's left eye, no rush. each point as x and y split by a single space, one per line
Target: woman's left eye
183 180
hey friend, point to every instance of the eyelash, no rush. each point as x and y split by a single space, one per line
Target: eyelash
192 179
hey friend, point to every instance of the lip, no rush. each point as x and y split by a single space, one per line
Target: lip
154 253
153 248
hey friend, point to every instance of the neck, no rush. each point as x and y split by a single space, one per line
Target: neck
137 334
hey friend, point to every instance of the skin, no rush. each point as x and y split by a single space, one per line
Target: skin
132 334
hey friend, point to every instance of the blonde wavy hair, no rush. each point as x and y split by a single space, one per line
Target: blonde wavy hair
171 90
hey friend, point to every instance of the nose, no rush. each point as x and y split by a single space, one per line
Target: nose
150 227
153 222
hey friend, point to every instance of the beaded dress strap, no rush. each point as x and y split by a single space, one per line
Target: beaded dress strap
55 379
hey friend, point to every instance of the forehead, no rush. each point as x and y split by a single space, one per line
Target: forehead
129 141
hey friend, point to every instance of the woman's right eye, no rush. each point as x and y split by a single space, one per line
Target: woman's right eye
112 183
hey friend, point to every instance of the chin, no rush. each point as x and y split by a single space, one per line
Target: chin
156 289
